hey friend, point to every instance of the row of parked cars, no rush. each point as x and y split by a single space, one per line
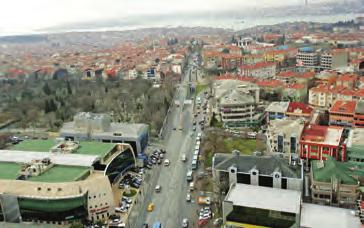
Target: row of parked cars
130 180
157 157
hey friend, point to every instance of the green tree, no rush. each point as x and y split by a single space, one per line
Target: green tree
69 89
46 89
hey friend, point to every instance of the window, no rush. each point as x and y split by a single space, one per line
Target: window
49 189
314 147
39 188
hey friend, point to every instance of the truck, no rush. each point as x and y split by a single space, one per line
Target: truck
204 200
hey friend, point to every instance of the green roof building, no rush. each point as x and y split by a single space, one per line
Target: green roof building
336 183
57 182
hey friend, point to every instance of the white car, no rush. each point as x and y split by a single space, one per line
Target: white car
166 162
188 197
183 157
158 188
185 222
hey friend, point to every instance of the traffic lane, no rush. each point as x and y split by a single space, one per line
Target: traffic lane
172 182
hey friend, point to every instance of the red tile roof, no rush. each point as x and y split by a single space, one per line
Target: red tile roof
287 74
257 65
343 107
269 83
294 106
295 86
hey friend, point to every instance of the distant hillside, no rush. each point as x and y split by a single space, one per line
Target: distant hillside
23 39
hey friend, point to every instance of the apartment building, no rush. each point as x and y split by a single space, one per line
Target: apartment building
319 142
355 145
307 58
335 59
236 103
283 136
342 113
335 183
277 110
260 70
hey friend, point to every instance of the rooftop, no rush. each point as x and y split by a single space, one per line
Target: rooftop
343 107
286 126
265 198
9 170
299 108
328 135
34 145
59 173
85 148
360 107
277 107
313 215
344 172
265 164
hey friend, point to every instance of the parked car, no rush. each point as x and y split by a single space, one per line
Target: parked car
158 188
166 162
183 157
185 222
150 207
188 197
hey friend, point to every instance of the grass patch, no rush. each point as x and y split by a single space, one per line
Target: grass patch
245 146
131 193
200 88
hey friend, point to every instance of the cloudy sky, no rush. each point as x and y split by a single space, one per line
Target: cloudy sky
29 15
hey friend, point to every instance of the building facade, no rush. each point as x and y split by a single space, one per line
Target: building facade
319 142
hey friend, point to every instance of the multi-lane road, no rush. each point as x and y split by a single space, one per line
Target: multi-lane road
170 204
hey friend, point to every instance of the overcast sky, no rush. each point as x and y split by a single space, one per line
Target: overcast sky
28 15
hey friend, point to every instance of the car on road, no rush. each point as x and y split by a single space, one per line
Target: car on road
184 158
166 162
158 188
185 222
194 128
145 225
174 128
150 207
191 186
188 197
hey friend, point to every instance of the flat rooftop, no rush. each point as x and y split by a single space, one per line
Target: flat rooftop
34 145
59 173
327 135
127 130
313 215
277 107
9 170
85 148
265 198
286 126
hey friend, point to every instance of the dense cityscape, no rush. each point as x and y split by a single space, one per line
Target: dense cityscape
185 126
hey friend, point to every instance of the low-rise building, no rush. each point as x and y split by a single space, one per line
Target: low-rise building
342 113
283 136
98 127
255 206
277 110
335 183
266 171
60 182
355 145
299 110
319 142
314 215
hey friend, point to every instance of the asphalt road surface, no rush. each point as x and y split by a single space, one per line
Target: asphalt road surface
170 204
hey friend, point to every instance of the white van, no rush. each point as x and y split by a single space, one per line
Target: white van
194 164
196 153
197 143
190 175
199 134
195 157
197 147
192 186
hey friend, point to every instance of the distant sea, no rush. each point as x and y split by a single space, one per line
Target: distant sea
233 22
